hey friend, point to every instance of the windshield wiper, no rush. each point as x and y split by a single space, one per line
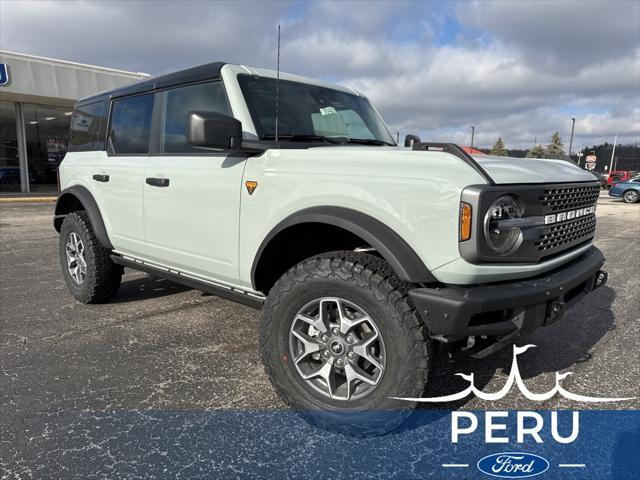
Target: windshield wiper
369 141
307 137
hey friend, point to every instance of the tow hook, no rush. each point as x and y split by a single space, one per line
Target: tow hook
601 279
555 311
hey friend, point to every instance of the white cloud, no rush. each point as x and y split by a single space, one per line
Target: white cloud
514 69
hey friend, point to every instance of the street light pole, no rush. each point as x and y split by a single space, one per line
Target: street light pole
573 124
613 152
473 130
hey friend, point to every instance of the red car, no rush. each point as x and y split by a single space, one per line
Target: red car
619 176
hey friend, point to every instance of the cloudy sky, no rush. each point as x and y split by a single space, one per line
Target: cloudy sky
515 69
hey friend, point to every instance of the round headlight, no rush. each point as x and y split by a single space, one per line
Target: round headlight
501 237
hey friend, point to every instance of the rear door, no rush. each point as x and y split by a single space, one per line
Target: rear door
118 174
191 195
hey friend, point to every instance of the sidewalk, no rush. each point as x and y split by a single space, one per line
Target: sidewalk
28 198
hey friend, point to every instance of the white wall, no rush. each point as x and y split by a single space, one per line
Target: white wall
57 82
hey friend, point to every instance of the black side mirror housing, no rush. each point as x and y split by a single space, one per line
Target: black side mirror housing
213 130
409 140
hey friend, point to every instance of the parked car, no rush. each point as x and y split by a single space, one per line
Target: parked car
629 191
361 254
619 176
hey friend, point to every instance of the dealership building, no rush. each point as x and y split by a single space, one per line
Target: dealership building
36 101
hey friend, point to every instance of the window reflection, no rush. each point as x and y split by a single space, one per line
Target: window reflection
47 134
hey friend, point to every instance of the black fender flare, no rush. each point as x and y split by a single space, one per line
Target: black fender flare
391 246
84 196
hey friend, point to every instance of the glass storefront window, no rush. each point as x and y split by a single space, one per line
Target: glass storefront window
9 159
47 136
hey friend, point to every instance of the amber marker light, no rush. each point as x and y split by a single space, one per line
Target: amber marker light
251 186
465 221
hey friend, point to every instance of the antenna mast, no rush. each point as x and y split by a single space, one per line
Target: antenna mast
278 86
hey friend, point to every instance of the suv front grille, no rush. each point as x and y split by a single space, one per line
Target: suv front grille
567 233
569 198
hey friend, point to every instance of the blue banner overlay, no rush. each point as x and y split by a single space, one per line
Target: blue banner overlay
241 444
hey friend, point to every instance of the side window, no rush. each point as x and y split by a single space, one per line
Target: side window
208 97
87 124
130 123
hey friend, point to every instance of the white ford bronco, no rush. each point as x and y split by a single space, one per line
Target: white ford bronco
290 195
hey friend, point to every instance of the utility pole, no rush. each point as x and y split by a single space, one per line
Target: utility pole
613 152
473 131
573 124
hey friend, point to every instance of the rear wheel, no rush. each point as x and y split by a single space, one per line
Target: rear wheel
340 338
631 196
87 268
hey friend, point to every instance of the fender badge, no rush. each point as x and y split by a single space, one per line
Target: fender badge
251 186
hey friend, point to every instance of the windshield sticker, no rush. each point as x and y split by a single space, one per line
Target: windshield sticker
327 110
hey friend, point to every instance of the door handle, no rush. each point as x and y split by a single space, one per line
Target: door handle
101 178
157 182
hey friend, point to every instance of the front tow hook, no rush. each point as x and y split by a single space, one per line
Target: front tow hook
601 279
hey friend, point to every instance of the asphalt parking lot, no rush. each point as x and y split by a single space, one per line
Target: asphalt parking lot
80 385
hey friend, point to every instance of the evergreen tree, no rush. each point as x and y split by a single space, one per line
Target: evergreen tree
538 151
555 149
498 148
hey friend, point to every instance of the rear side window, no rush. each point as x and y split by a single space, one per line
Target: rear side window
130 124
87 127
208 97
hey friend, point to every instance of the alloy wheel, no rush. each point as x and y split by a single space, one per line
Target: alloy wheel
337 348
76 263
631 197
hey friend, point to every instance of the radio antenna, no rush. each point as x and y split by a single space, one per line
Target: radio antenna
278 86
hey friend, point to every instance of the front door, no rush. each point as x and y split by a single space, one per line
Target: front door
192 196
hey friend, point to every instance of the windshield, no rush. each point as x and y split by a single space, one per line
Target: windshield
310 112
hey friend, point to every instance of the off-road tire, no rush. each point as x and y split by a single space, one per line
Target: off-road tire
368 281
103 276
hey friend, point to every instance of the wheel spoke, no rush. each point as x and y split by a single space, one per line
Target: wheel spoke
354 373
318 323
325 310
362 350
346 323
327 373
309 344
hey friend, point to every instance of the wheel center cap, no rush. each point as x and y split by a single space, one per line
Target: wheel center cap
337 348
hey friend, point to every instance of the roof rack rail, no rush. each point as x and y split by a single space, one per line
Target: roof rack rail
456 150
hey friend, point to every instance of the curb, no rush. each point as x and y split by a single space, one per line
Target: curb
28 199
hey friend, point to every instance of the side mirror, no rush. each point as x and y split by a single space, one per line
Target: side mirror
213 130
409 140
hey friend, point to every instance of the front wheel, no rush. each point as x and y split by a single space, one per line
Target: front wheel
89 272
631 196
340 339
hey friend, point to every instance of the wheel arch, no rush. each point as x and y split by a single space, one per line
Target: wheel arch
77 198
355 226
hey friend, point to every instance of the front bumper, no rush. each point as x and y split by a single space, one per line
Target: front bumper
510 307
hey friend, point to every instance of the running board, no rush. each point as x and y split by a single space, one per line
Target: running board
228 293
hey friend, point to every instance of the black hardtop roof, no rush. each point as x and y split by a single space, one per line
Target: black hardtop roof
200 73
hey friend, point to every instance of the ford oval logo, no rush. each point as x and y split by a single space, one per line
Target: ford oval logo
513 465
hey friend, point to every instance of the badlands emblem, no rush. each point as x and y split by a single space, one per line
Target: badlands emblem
570 215
515 377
